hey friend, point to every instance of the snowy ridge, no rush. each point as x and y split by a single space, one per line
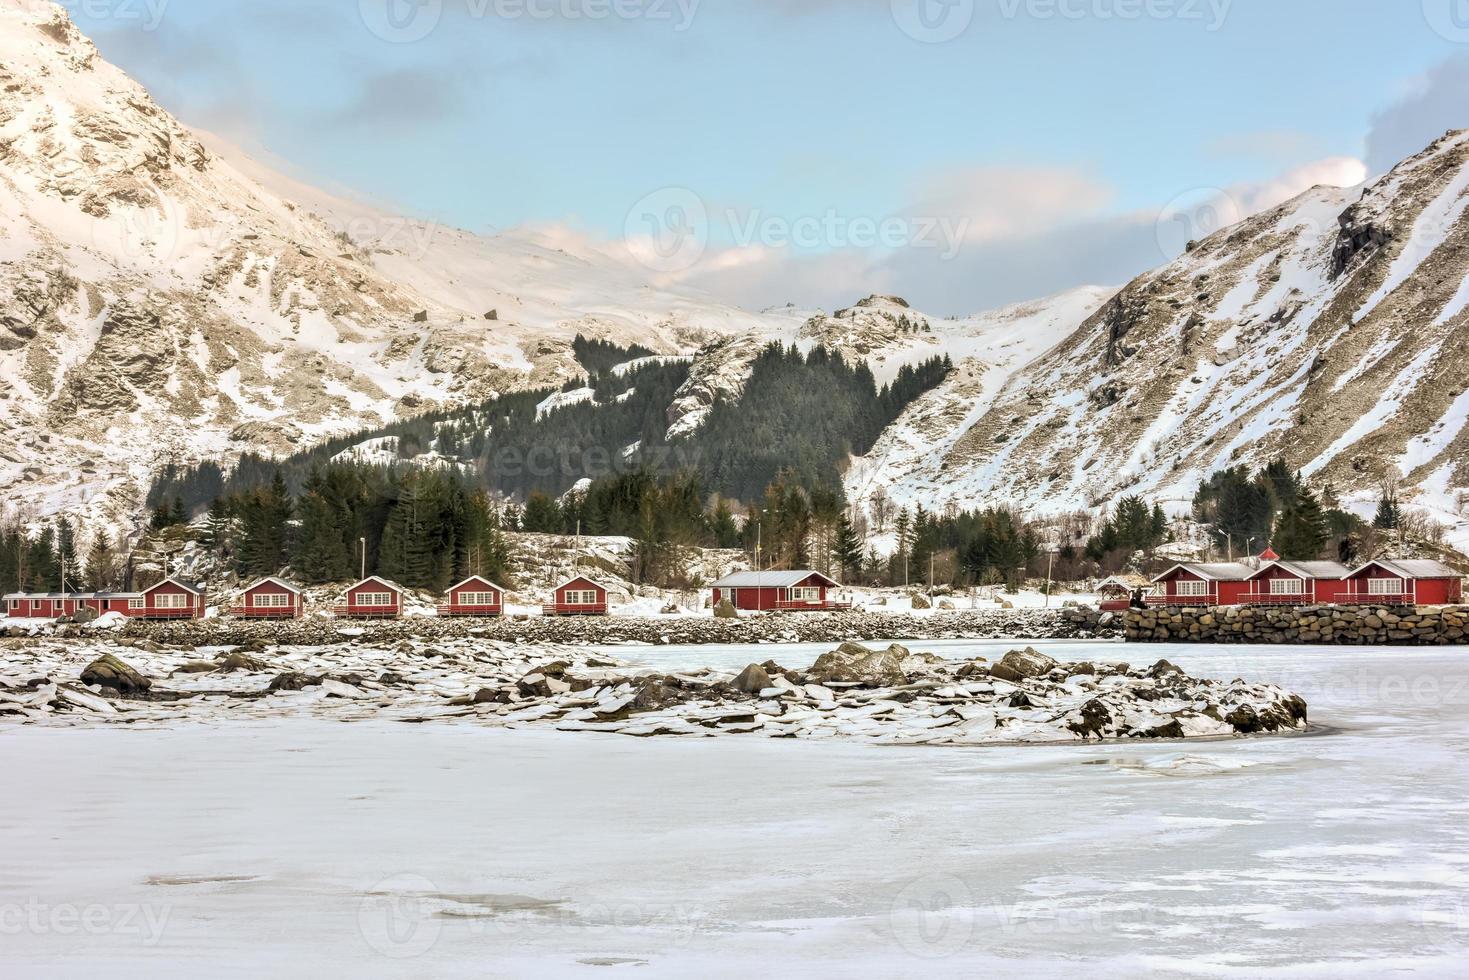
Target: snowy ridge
164 298
1329 330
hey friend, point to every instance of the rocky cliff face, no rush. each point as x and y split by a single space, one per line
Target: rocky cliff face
1332 331
163 298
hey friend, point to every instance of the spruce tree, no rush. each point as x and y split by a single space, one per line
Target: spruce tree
101 565
66 552
1389 516
849 549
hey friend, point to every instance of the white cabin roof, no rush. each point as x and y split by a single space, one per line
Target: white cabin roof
771 580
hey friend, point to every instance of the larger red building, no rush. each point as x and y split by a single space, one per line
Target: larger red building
169 599
795 591
1408 582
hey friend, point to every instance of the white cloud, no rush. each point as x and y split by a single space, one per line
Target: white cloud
1434 104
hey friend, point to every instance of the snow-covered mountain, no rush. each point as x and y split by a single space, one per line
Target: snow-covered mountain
1332 330
163 298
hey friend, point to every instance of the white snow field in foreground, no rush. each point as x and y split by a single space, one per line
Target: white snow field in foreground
299 847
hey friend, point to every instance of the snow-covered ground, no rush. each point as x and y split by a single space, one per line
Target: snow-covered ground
446 850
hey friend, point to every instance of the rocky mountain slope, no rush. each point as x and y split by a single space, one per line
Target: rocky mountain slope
162 298
1332 330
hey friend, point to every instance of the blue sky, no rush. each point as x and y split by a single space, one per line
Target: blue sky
1050 131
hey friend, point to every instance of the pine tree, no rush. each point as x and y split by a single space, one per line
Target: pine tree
1301 532
101 565
849 549
321 553
899 567
1389 516
542 515
66 552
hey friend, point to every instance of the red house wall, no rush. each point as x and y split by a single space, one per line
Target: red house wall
1439 591
1357 584
270 588
766 597
581 585
369 587
1259 586
456 600
195 605
1170 588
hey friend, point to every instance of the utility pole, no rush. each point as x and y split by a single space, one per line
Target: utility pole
759 595
364 557
1050 568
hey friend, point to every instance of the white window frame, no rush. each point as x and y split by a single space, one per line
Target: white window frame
581 597
375 600
1193 588
804 593
1287 586
170 600
270 600
1387 586
136 602
479 599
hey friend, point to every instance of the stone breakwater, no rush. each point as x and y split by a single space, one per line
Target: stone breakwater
890 695
1034 624
1353 625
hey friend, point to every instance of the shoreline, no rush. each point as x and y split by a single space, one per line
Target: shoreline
1074 623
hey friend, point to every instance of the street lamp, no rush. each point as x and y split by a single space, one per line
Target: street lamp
1050 569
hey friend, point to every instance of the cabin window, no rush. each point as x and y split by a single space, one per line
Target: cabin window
1385 586
1287 586
477 598
1192 587
581 597
806 594
374 599
272 600
136 603
171 600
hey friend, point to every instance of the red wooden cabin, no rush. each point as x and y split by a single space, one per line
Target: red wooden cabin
801 590
1407 582
1295 583
475 596
169 599
271 598
579 597
372 598
1220 584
